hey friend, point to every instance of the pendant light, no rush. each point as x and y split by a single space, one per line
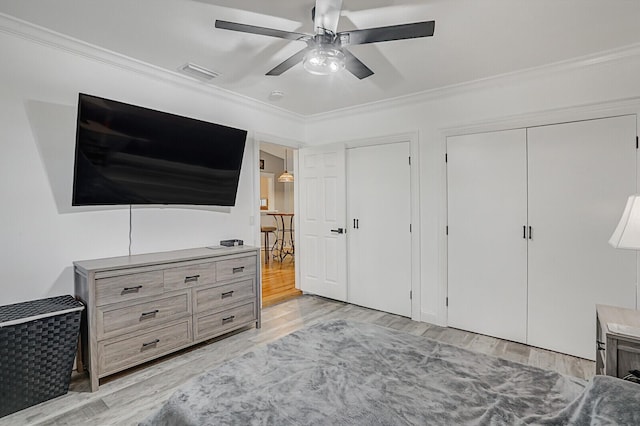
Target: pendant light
286 176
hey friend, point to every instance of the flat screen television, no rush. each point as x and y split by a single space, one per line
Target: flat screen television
127 154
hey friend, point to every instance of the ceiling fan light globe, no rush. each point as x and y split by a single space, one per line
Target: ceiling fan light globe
315 61
324 61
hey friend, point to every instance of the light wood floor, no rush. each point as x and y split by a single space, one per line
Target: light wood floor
131 397
278 281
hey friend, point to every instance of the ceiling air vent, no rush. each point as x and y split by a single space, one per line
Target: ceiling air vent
201 73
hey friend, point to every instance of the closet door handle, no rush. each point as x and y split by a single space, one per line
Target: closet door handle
354 224
530 233
524 231
357 223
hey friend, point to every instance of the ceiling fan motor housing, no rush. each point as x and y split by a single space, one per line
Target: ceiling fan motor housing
325 38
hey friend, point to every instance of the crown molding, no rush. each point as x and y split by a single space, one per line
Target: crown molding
46 37
604 57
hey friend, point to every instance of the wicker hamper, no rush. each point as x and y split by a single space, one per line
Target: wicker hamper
38 341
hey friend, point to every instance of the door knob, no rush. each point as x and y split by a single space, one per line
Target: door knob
338 231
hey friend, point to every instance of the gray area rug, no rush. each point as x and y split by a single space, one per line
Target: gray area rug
605 401
341 373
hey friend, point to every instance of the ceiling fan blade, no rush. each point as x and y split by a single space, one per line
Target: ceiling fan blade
288 63
244 28
393 32
327 14
355 66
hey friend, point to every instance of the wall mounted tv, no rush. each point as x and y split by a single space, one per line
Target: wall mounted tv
127 154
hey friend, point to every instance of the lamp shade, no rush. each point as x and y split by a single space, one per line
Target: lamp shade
627 233
285 177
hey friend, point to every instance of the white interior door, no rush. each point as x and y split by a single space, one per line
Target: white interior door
379 219
487 248
322 210
580 175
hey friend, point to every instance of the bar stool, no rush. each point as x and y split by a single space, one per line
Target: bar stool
266 230
285 243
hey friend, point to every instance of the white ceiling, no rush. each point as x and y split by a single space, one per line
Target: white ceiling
473 39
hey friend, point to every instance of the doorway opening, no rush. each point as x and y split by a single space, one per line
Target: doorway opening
277 224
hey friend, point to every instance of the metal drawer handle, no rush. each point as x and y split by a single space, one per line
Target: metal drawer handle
228 319
238 269
227 294
149 314
193 278
131 289
152 343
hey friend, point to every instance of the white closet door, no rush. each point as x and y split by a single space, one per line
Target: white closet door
322 242
487 251
379 237
580 175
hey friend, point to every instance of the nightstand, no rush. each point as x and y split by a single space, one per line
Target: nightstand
617 340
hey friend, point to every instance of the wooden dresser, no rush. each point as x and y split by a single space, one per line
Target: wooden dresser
145 306
617 340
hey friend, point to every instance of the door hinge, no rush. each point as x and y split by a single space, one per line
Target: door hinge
410 294
447 302
446 158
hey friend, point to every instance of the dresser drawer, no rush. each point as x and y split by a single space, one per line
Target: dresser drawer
210 299
211 325
128 287
236 268
189 276
628 357
118 319
118 354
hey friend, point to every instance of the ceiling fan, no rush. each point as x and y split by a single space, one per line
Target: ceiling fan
326 51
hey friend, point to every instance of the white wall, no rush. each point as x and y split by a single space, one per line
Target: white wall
568 91
41 234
